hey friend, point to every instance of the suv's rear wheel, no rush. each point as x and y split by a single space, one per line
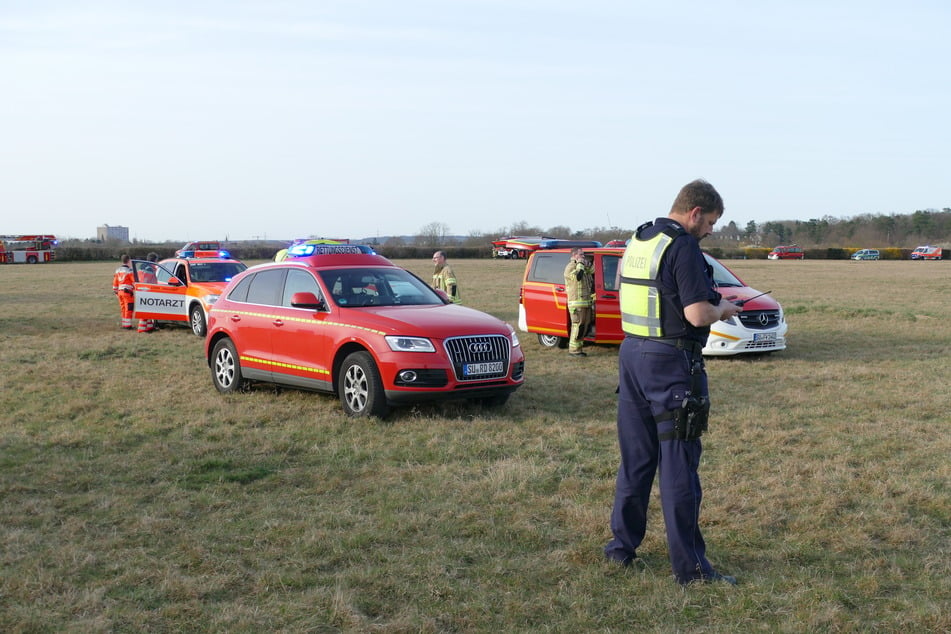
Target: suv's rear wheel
360 387
553 341
225 369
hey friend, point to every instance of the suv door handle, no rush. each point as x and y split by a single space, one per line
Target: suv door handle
236 318
278 322
560 289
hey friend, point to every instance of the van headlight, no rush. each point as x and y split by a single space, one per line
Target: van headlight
409 344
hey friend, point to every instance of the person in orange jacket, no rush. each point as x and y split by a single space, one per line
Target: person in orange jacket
123 287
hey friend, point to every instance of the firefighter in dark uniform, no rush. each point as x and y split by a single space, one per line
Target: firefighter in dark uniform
668 302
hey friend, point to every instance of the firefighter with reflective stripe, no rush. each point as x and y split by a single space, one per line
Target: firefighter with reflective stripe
148 275
668 302
123 287
579 286
444 279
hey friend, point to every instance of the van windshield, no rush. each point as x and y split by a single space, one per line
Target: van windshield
721 275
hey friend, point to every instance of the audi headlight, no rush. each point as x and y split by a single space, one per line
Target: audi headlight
515 343
409 344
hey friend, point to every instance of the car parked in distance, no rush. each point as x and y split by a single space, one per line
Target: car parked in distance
203 249
354 324
791 252
543 306
926 253
181 289
866 254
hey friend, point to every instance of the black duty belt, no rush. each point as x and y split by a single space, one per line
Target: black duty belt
681 344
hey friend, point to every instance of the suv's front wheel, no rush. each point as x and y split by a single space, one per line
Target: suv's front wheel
360 387
553 341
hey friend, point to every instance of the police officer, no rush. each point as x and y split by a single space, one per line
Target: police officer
579 285
123 287
444 279
668 302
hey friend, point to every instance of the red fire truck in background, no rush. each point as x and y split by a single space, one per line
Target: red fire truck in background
29 249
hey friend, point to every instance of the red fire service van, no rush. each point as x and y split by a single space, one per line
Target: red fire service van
543 306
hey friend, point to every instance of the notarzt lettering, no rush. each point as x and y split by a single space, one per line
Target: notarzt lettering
170 303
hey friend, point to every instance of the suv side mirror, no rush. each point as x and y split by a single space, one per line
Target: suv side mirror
307 299
174 281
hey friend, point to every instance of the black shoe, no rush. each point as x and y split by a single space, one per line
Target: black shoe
578 354
627 562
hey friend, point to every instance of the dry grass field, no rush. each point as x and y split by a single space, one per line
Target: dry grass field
136 498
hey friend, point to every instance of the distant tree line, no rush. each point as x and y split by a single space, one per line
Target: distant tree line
825 237
822 238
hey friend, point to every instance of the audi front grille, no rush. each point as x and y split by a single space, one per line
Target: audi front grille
479 358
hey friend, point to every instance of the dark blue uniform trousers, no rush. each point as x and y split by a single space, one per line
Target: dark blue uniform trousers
654 378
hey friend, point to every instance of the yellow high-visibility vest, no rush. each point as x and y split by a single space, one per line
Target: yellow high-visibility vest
640 291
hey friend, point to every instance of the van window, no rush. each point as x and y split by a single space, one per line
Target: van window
548 267
609 264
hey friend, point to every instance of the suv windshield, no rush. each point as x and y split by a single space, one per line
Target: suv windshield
359 287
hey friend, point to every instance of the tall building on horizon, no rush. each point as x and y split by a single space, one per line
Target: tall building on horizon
106 232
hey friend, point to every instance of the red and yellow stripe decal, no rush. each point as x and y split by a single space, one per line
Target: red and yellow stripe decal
289 366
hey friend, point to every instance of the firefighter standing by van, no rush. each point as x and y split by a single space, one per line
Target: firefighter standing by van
579 286
123 285
668 302
444 279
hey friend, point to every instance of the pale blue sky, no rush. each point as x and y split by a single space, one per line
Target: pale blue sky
356 118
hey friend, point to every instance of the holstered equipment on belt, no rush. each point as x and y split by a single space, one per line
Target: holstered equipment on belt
690 420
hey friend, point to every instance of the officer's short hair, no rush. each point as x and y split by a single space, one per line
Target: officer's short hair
698 193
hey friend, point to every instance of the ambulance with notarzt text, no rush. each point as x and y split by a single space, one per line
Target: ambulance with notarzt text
181 289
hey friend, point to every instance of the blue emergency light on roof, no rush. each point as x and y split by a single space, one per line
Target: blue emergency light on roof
567 244
303 250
